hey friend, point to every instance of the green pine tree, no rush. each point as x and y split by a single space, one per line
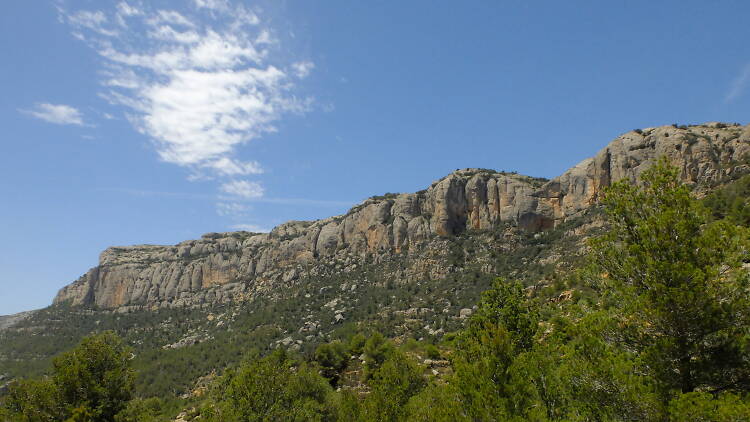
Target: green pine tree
674 282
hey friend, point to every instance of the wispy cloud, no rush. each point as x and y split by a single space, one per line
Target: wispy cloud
212 4
237 209
208 197
199 81
126 10
302 69
95 21
60 114
251 228
239 214
739 84
243 189
232 209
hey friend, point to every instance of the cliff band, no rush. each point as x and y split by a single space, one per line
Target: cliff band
222 267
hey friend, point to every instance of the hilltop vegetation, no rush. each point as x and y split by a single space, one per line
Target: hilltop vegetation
653 325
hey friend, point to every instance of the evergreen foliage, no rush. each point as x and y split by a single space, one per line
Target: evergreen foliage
732 202
376 350
332 358
93 382
275 388
675 284
391 386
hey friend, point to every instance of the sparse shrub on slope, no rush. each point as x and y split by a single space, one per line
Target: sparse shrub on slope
277 387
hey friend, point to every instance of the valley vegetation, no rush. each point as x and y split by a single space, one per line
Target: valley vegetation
653 326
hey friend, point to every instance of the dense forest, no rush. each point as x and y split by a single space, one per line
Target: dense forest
653 325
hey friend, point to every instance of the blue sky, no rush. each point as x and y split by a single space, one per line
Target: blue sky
154 122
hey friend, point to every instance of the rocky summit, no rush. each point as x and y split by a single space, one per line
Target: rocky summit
235 266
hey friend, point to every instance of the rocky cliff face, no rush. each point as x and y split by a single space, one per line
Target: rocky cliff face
222 267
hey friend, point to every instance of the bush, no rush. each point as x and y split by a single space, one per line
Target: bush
376 350
94 381
432 352
332 358
276 387
705 407
357 344
393 384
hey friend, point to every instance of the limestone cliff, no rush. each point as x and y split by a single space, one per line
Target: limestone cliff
232 266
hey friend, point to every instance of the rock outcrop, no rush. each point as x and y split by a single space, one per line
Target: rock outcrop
8 321
232 266
705 154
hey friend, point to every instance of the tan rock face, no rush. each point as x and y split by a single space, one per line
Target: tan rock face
705 154
229 266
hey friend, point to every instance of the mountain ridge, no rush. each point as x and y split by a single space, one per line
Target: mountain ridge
224 267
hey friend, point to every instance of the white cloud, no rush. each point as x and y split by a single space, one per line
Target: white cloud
60 114
264 38
302 69
243 189
199 86
250 228
169 17
125 9
244 17
200 80
167 33
212 4
739 84
229 167
232 209
95 21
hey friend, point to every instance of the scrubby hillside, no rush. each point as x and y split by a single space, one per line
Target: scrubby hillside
411 266
225 267
653 326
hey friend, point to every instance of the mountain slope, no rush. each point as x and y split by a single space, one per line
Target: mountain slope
409 265
222 267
